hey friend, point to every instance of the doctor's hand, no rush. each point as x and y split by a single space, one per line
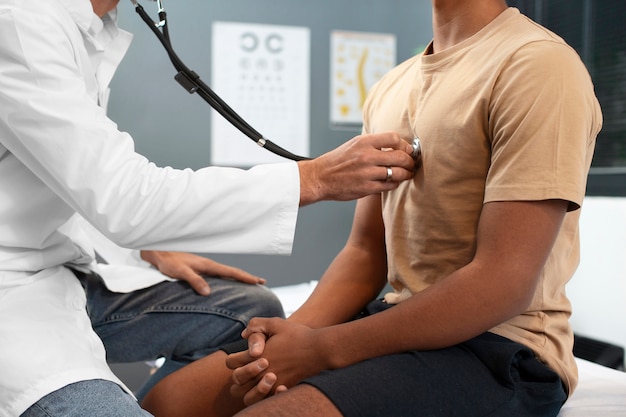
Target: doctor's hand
366 164
189 267
280 354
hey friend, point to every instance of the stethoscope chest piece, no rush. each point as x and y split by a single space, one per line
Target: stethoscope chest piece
417 149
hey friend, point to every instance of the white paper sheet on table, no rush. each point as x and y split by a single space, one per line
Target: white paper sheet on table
293 296
601 392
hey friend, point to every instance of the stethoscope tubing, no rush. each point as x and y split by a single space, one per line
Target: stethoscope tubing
191 82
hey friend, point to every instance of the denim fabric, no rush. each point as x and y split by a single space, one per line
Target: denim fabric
171 320
95 398
167 320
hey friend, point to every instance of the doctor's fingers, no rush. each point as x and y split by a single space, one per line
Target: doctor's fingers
365 154
382 140
212 268
395 159
385 149
194 280
350 183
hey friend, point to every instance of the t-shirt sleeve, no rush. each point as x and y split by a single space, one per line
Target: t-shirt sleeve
544 118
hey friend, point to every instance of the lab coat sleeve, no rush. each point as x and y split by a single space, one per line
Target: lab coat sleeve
51 122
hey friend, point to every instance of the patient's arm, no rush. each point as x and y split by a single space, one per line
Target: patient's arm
356 275
514 240
202 388
354 278
189 267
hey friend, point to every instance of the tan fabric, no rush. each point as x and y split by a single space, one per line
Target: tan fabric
509 114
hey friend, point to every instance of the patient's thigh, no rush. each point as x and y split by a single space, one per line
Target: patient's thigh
299 401
485 376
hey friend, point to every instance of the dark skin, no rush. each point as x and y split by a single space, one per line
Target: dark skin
355 169
513 242
490 289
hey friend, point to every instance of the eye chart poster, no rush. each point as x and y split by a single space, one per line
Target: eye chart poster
263 73
358 60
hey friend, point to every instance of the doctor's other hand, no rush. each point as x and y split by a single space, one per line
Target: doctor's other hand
190 268
366 164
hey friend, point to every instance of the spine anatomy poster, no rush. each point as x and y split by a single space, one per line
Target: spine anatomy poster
358 60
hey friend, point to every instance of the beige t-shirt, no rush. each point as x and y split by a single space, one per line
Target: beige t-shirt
508 114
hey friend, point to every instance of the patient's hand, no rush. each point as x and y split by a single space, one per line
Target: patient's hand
189 267
251 381
288 356
249 377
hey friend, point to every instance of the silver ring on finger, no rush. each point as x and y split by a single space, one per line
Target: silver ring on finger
389 174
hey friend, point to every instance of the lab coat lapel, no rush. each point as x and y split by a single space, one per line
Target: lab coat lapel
106 44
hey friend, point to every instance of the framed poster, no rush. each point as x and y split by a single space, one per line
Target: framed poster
263 73
358 60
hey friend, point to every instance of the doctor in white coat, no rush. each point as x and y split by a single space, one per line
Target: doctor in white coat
69 180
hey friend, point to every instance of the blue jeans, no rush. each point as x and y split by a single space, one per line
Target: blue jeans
95 398
167 320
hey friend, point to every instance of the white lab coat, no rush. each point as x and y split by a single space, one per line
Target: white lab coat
60 155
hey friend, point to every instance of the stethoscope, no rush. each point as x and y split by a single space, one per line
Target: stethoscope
192 83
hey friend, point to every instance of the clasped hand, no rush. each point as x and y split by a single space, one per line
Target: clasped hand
279 355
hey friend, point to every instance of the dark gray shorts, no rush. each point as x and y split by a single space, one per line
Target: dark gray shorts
485 376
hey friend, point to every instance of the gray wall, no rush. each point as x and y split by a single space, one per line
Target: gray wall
172 128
